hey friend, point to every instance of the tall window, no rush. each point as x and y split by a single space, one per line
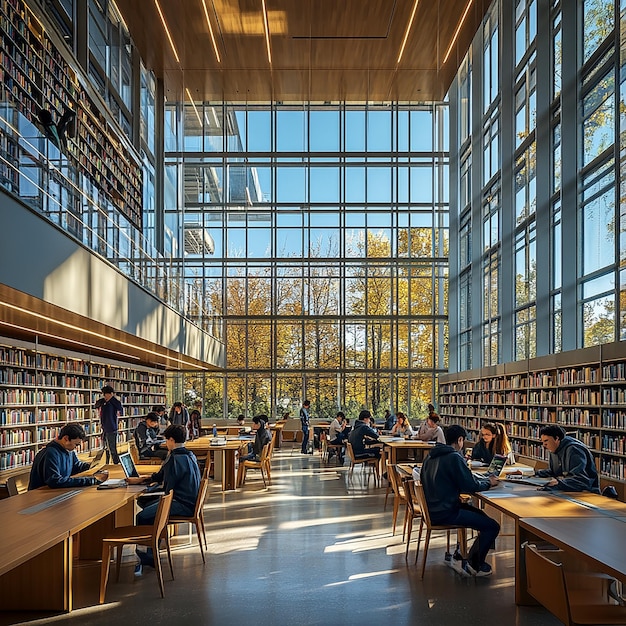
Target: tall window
330 273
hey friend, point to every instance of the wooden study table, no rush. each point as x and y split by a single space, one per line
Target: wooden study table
223 457
47 533
535 512
394 444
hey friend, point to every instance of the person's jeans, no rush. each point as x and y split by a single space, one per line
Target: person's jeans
146 517
305 439
469 516
110 443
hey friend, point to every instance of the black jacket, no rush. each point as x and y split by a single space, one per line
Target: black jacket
445 476
358 436
573 466
482 452
180 473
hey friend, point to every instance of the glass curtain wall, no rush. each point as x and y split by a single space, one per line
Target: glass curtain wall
319 234
545 111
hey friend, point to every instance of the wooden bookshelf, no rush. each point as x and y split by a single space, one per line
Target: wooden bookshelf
37 75
584 391
42 388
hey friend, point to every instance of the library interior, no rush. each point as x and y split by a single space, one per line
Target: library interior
281 258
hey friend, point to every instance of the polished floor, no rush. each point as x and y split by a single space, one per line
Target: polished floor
314 548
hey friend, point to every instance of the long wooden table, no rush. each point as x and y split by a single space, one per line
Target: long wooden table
591 526
224 457
47 533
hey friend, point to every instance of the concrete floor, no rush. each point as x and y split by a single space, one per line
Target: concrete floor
314 548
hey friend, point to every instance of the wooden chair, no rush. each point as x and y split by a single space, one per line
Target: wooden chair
134 453
197 518
262 464
366 462
399 497
11 486
425 521
572 597
412 511
142 536
385 455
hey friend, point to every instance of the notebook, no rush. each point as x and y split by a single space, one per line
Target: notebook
495 467
96 459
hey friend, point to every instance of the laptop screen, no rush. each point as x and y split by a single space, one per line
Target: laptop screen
126 461
496 466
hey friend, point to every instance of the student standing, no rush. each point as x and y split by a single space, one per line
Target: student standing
110 411
305 420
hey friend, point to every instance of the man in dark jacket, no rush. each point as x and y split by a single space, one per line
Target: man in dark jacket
362 434
110 410
445 476
571 464
179 473
147 438
56 464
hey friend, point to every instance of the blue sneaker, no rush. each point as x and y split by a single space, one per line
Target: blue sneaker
483 571
145 558
139 569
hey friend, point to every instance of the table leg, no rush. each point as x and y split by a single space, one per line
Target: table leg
522 597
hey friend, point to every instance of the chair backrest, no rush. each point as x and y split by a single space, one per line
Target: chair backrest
162 514
420 496
11 486
272 444
545 581
265 452
204 487
392 476
134 451
350 452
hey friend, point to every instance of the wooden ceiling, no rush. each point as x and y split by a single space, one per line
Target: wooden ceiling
321 50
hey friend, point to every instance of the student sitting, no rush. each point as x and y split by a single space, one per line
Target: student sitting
179 473
337 435
262 438
430 429
445 476
147 438
363 434
493 440
402 428
571 463
57 463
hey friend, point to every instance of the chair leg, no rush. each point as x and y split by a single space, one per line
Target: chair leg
157 565
263 476
104 570
409 530
426 543
198 522
169 554
396 505
419 540
206 545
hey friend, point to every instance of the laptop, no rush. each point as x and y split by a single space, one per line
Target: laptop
126 461
495 467
533 481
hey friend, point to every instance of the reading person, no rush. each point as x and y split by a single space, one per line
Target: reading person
571 464
57 463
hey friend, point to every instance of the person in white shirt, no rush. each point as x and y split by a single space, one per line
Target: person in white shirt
336 433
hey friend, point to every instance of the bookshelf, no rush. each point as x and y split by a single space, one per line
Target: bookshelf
584 391
36 75
42 388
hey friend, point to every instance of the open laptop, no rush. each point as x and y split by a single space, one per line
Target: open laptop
495 467
534 481
126 461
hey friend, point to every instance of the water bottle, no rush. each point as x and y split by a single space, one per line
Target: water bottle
214 430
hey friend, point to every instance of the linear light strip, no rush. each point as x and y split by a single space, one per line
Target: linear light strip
266 27
167 31
208 21
193 104
456 32
408 30
93 333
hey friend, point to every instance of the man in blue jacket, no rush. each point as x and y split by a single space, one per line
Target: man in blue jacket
362 435
57 463
445 476
110 410
571 465
179 473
